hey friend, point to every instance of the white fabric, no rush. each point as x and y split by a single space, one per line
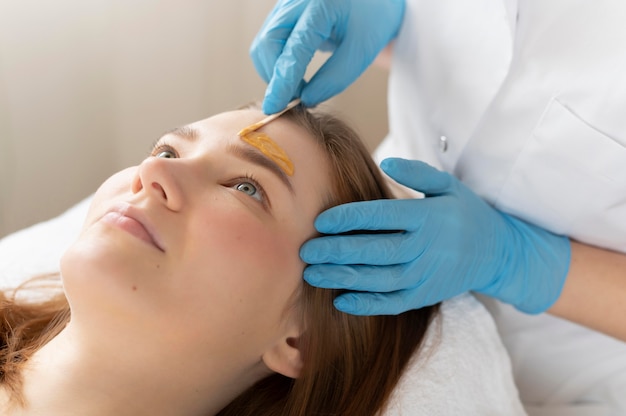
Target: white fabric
529 101
37 249
464 369
561 368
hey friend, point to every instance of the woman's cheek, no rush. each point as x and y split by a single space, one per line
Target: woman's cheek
110 190
244 246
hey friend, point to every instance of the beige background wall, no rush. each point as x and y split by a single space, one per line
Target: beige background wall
86 86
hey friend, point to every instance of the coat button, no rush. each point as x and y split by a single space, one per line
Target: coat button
443 144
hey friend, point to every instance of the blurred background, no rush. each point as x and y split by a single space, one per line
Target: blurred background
86 86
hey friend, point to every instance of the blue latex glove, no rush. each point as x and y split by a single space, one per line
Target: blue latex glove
445 244
354 30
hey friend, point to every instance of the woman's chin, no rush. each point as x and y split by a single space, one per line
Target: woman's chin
101 267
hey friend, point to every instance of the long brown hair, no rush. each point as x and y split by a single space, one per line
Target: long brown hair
26 326
351 363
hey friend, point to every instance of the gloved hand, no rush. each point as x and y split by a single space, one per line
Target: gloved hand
448 243
355 30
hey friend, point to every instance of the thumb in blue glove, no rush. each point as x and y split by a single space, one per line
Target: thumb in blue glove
438 247
355 31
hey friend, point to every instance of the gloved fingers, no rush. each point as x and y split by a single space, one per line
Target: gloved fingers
361 277
372 26
372 249
273 101
367 303
418 175
311 30
382 214
269 42
339 71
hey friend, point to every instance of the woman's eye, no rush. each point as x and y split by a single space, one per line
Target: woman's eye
250 189
164 151
165 154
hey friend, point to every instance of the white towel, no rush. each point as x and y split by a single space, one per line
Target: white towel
463 368
37 249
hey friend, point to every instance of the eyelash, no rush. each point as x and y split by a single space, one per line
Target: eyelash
162 146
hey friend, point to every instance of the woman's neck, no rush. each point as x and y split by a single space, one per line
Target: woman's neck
71 377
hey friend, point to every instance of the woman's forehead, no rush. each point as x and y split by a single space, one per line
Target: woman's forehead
232 121
294 139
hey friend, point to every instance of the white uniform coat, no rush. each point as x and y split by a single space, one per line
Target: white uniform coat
525 102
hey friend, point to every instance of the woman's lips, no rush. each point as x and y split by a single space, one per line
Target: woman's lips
123 219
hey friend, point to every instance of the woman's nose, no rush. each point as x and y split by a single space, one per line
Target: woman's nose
159 179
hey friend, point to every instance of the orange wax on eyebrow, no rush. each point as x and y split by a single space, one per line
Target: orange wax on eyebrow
268 147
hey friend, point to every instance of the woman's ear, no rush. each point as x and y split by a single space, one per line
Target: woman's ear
285 357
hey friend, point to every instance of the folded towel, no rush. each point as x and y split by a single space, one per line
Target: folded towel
463 368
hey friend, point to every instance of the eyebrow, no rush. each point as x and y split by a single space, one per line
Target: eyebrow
245 152
254 156
184 132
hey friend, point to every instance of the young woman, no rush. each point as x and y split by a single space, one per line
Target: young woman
184 295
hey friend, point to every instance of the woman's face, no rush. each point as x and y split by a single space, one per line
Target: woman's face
197 247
